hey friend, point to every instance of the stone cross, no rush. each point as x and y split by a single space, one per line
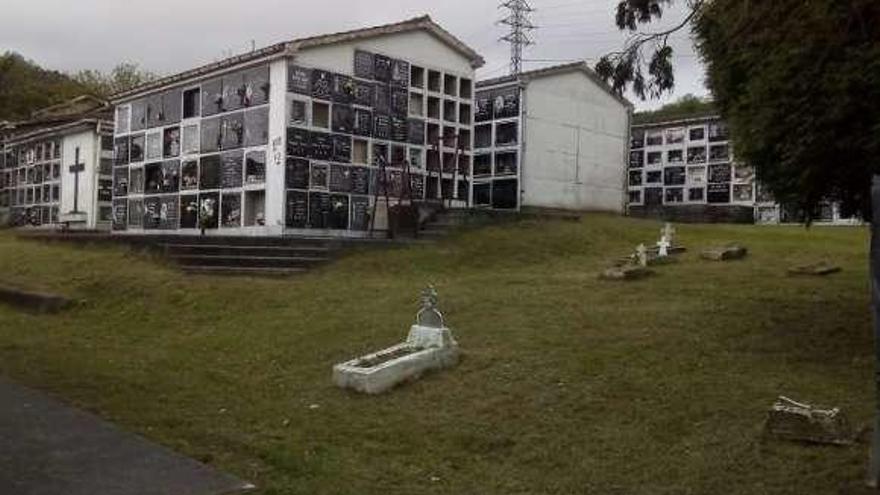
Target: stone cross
642 255
663 247
668 231
75 169
429 316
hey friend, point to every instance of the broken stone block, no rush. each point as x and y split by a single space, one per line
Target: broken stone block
630 272
724 253
790 420
819 269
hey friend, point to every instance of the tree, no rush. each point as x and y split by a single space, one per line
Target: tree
798 81
123 77
25 87
687 105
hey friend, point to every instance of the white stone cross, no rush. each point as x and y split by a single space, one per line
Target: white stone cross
642 255
663 247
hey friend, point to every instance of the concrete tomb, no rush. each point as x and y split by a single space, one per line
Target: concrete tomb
814 269
634 268
790 420
428 346
725 253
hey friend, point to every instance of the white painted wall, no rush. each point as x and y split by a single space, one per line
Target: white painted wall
575 145
418 47
276 151
89 151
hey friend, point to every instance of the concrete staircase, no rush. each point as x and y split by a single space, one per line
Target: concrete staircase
251 256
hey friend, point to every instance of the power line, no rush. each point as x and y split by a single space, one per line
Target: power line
520 25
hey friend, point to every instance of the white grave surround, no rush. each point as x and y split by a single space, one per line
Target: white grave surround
430 349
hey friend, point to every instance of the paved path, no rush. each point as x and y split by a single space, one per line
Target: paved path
48 448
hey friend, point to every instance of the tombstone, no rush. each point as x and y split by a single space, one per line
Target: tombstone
663 247
668 231
428 346
795 421
642 255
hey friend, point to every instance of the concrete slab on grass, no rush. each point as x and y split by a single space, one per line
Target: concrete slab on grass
48 448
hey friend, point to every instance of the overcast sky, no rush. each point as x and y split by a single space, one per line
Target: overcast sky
169 36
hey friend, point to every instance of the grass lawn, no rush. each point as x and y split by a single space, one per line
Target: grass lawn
568 384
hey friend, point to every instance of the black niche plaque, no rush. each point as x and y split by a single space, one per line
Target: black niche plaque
363 122
321 146
318 176
506 103
152 209
417 185
230 210
416 131
400 73
169 213
296 173
382 68
189 211
343 118
363 64
209 210
343 89
298 142
231 169
340 178
120 214
363 93
399 102
399 129
297 210
382 127
319 210
339 211
360 213
360 180
322 84
341 148
209 172
299 80
136 213
382 98
483 112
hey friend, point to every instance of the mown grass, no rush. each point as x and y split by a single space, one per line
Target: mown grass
568 385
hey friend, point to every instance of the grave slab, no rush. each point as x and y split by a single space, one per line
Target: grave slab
819 269
724 253
48 448
631 272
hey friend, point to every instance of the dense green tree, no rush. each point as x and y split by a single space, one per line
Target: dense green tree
123 77
25 87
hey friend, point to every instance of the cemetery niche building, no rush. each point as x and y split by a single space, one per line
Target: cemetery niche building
682 168
55 169
324 135
550 138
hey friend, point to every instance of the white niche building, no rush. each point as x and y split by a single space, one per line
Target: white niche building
301 137
55 168
550 138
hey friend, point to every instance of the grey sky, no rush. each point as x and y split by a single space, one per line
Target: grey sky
168 36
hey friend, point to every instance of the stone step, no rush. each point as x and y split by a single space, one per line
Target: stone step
244 271
234 250
247 261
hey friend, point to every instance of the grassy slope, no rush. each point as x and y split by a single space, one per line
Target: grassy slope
569 384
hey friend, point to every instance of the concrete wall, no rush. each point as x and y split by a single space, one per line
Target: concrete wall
418 47
88 143
575 145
